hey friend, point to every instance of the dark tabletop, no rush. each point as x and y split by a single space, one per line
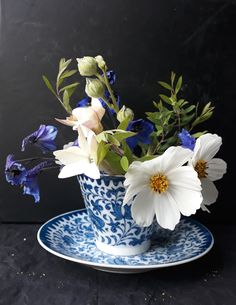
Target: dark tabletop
30 275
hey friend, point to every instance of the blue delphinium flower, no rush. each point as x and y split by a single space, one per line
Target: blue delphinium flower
187 141
15 172
85 102
111 76
143 129
30 185
43 138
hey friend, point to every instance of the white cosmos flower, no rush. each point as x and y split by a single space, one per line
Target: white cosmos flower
80 160
164 187
209 169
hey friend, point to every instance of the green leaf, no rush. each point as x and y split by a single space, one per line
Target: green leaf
189 109
166 99
69 88
66 101
179 84
124 124
124 162
114 161
48 84
68 73
165 85
172 77
198 134
122 135
102 151
62 67
102 136
127 151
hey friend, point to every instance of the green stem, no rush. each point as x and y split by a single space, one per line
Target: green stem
104 79
33 159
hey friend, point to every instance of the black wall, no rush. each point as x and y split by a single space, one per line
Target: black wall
142 41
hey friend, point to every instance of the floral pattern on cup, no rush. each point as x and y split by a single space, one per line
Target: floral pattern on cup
112 222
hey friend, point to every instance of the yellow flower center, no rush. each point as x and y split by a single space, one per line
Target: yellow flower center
159 183
200 168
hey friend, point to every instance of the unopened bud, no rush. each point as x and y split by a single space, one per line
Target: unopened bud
87 66
101 62
94 88
124 114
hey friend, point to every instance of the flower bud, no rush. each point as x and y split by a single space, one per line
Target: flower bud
87 66
101 62
125 113
94 88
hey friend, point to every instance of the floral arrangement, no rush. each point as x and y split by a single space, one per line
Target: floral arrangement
169 165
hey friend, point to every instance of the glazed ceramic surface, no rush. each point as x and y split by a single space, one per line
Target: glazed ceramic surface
71 237
114 228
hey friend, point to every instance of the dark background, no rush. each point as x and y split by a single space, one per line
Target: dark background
142 41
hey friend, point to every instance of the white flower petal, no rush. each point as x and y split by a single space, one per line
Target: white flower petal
188 201
98 108
206 147
70 155
142 208
91 170
175 156
216 169
134 189
136 173
184 177
167 212
71 170
209 191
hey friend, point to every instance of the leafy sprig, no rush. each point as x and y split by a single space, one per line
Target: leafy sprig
63 93
173 114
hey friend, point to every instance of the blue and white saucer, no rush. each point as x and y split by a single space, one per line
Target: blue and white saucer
70 236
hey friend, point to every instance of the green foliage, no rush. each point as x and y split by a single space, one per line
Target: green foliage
115 136
173 114
63 94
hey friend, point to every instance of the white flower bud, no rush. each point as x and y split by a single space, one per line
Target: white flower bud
94 88
87 66
101 62
125 113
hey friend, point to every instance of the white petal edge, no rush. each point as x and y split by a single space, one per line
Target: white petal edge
206 147
188 201
142 209
216 169
184 177
209 191
167 212
71 170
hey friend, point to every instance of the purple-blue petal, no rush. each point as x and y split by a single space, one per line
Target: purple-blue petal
111 76
31 187
43 138
187 141
30 184
143 129
85 102
15 172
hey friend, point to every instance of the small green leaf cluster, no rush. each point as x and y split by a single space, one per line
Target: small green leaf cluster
173 114
63 93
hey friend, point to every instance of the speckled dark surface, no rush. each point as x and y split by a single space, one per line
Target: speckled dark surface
31 276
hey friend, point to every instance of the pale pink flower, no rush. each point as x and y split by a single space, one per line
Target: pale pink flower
89 117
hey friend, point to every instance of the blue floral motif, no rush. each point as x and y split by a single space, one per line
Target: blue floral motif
112 221
71 235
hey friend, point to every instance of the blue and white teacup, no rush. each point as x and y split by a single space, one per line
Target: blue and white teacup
114 228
